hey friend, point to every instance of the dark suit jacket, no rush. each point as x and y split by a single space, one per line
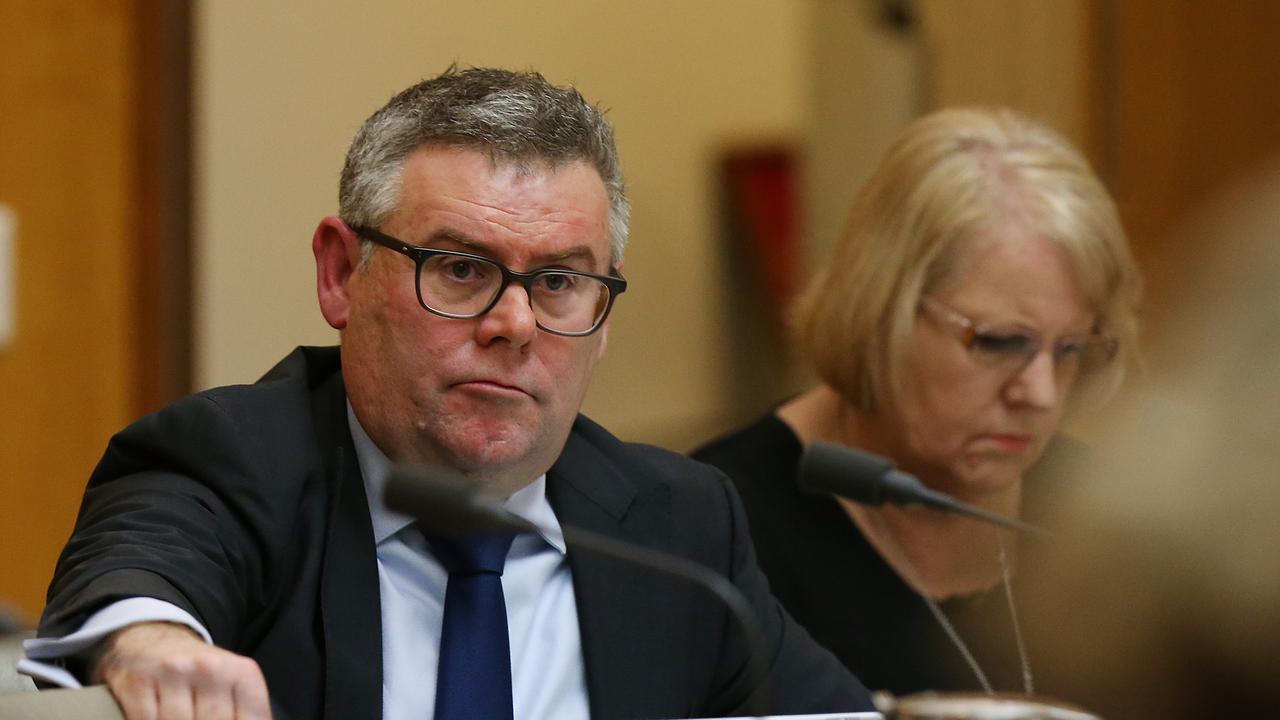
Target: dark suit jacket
245 506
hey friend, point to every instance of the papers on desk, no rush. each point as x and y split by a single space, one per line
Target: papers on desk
822 716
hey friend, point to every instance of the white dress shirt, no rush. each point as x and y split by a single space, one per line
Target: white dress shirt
547 679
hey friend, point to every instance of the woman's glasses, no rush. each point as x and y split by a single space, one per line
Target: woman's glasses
1012 349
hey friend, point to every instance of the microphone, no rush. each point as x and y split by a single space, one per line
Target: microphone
867 479
449 506
827 468
453 507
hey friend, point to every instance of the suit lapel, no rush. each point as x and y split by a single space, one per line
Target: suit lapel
350 606
619 617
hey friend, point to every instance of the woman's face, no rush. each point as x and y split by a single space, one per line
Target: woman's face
964 420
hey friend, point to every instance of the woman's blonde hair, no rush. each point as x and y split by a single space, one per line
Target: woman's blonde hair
945 178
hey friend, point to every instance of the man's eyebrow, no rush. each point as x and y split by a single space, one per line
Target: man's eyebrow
573 253
457 237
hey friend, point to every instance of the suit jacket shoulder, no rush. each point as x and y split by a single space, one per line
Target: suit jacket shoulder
226 504
657 645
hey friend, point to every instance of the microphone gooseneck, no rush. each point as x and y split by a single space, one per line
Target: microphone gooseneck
868 479
447 505
452 507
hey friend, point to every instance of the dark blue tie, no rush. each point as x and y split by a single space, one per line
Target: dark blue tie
473 681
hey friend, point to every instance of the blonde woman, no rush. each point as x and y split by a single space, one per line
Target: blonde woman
982 286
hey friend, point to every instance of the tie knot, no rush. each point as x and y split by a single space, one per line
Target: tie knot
471 554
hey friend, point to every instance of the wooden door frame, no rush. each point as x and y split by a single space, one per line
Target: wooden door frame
163 141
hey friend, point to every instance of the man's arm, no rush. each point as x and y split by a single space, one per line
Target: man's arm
804 677
176 512
162 670
185 507
155 669
61 661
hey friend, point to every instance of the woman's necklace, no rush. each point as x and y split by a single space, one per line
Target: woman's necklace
841 434
1028 683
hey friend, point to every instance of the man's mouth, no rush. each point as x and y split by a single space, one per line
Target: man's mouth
494 388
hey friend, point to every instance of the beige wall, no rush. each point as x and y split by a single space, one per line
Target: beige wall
1032 56
868 80
280 90
864 86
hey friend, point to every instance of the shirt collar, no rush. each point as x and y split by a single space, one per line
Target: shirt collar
529 503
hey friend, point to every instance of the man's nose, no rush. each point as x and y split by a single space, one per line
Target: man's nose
510 319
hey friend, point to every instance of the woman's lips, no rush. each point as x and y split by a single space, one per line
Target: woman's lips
1009 442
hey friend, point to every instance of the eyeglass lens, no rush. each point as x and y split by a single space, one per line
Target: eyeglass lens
466 286
1071 355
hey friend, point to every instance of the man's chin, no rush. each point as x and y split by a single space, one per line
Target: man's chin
496 459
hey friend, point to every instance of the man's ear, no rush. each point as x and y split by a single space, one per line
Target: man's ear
604 329
337 251
603 332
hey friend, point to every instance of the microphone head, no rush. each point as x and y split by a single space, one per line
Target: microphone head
830 469
867 479
446 505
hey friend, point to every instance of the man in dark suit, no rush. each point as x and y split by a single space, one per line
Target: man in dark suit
235 542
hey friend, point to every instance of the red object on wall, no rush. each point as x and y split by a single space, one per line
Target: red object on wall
763 221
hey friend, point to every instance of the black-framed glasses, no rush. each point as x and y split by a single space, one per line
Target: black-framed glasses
463 285
1012 349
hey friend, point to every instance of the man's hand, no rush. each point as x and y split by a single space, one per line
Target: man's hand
163 671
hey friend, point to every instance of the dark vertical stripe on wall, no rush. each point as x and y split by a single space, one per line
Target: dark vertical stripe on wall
163 215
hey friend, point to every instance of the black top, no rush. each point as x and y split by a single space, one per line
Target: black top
834 582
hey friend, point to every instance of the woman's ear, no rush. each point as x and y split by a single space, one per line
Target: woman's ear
337 251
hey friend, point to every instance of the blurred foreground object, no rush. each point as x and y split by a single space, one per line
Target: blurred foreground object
1167 576
972 706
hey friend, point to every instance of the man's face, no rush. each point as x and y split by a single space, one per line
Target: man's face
493 397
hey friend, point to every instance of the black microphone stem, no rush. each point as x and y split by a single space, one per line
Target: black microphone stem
950 504
868 479
757 704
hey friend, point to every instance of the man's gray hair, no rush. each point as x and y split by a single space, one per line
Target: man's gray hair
516 117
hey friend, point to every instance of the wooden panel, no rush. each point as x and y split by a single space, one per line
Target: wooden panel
67 379
162 251
1173 100
1032 56
1192 104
